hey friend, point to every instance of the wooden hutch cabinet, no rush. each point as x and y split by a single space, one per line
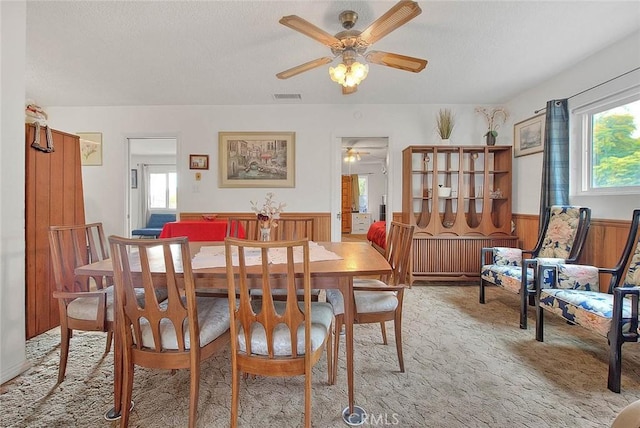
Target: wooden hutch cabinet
459 200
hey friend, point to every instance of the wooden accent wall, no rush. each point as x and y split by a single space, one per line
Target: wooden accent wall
605 240
321 221
53 197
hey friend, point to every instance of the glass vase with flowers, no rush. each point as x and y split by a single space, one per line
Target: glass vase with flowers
268 215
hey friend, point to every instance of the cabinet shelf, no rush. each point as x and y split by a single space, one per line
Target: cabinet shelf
473 173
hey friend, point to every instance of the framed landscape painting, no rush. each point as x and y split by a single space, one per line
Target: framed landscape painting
257 159
528 136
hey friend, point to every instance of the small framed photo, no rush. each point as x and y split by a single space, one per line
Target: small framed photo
134 178
528 136
198 161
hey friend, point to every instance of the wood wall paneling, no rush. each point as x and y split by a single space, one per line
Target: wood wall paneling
53 196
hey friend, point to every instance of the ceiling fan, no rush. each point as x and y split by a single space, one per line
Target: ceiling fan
352 155
349 44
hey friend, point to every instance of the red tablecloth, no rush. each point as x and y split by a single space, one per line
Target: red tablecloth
198 230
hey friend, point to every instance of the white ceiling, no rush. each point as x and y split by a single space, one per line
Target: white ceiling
102 53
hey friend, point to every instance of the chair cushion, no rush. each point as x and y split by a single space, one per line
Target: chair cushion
590 309
509 276
86 308
561 232
213 319
505 256
321 320
366 301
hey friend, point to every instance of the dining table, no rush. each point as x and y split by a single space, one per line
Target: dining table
355 259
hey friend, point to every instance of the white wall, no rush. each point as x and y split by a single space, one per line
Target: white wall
594 70
12 152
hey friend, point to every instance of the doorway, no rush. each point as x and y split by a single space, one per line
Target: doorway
364 163
153 178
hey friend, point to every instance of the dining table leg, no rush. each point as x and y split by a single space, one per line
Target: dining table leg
352 415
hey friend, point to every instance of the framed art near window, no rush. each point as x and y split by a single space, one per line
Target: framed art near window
257 159
528 136
198 161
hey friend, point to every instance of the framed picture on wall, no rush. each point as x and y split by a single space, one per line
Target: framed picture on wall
90 148
134 178
257 159
528 136
198 161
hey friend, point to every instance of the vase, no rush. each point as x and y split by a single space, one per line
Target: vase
265 234
491 139
445 141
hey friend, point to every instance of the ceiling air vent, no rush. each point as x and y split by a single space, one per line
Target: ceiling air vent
287 97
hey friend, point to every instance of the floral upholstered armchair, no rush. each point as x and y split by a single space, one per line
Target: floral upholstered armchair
564 230
573 293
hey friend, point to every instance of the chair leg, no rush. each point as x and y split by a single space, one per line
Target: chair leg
65 338
397 324
524 298
235 385
194 389
383 327
329 346
539 323
307 396
109 341
127 383
615 361
336 346
481 290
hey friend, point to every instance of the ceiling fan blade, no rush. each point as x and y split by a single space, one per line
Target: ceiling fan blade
346 90
304 67
395 17
308 29
402 62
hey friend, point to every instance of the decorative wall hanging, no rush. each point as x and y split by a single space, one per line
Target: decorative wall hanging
90 148
528 136
198 161
257 159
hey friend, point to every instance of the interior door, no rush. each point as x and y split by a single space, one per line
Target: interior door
346 204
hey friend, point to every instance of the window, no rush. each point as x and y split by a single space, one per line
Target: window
610 136
363 185
162 190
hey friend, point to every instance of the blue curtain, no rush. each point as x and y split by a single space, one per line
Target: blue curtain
555 164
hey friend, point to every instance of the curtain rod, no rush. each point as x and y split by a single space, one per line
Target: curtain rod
593 87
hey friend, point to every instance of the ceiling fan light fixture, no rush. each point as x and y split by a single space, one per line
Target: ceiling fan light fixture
349 75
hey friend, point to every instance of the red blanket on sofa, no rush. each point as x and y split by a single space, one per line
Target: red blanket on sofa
377 234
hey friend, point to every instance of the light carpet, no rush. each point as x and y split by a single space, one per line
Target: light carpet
467 365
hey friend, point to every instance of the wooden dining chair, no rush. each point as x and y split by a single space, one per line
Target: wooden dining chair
293 228
84 302
177 333
271 337
379 300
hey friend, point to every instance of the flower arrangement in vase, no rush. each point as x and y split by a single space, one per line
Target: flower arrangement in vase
445 122
495 117
267 215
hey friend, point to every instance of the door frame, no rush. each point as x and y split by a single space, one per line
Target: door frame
336 177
